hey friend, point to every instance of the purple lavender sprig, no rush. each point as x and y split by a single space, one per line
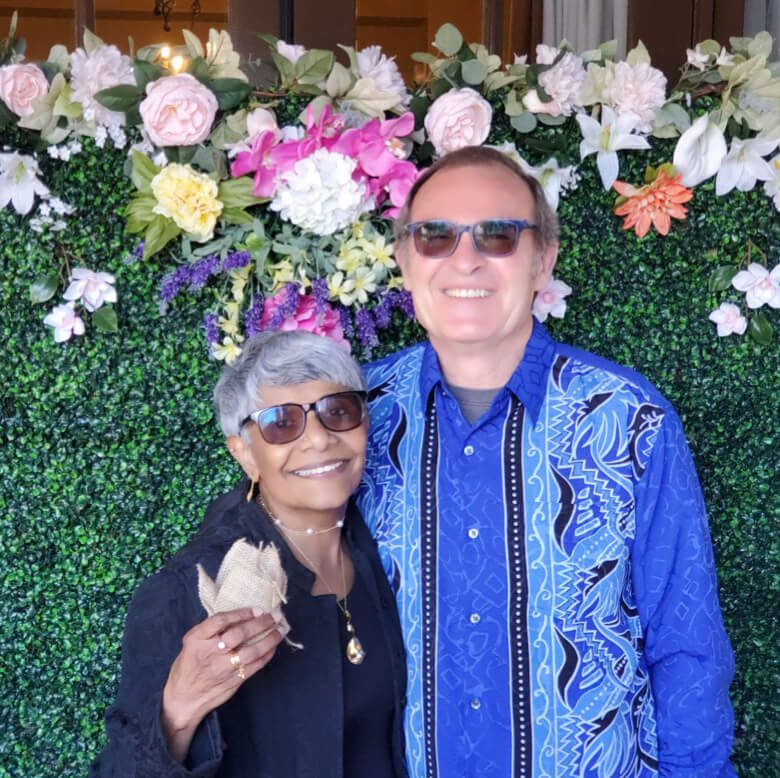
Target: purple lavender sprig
253 316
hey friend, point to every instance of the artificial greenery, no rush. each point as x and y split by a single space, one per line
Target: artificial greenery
110 452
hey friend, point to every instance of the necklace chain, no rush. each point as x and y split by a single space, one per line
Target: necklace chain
355 651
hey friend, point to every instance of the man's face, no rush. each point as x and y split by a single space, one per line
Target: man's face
468 299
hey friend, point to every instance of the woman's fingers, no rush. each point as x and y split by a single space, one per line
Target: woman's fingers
238 633
255 656
219 622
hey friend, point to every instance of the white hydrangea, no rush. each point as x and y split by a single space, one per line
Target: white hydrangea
638 89
104 67
374 64
319 194
563 83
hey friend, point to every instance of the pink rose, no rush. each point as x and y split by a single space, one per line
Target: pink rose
21 86
178 111
460 117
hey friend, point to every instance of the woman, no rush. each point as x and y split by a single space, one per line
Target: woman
195 697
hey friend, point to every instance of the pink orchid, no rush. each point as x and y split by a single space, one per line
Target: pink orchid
376 145
396 182
258 161
320 133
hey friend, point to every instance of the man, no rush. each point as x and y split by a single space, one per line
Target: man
539 516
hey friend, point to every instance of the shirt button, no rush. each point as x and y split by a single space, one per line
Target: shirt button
473 533
474 618
475 703
468 450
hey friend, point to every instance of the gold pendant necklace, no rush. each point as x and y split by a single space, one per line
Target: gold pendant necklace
355 651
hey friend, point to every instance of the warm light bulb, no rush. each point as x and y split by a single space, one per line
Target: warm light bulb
165 52
177 63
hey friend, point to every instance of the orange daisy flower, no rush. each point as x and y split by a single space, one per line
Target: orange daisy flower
653 204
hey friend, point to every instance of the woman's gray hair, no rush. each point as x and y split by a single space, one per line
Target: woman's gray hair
279 359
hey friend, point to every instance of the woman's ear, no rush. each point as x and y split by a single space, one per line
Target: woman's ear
241 451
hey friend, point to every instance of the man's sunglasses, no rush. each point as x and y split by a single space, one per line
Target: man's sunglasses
438 238
338 412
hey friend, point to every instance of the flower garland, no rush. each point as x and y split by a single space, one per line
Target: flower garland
281 201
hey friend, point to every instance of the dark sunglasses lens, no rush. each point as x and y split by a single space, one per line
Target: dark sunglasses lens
282 423
341 412
435 238
496 237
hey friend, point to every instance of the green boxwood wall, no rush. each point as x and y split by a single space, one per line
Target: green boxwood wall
109 451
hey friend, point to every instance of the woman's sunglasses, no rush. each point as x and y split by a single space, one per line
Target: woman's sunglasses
438 238
338 412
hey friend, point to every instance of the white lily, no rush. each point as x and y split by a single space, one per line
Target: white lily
552 177
605 139
745 164
699 151
772 185
761 286
19 181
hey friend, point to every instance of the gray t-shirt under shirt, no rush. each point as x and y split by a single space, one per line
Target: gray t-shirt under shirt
473 402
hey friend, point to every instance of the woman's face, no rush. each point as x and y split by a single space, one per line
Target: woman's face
309 480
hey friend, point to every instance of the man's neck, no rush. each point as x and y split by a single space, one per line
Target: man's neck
478 365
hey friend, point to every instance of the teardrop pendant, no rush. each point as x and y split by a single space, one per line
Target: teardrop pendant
355 652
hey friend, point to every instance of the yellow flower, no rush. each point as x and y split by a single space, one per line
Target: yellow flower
396 282
341 289
284 272
228 350
364 283
239 279
229 322
350 259
189 198
380 251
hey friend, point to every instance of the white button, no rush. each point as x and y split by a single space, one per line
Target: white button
468 451
473 533
475 703
474 618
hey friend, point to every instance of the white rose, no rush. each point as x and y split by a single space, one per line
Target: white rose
460 117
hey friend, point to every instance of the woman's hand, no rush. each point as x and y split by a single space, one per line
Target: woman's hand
206 672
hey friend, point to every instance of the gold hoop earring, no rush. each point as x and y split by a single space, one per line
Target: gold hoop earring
250 495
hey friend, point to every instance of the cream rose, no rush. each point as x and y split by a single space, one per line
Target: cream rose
21 86
261 120
178 111
189 198
460 117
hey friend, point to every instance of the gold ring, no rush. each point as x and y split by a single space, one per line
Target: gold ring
235 663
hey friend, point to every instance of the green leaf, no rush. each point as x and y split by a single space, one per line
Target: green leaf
235 216
720 279
424 57
551 121
237 193
473 72
419 106
146 72
140 213
7 116
199 68
513 106
230 92
439 87
143 170
313 66
192 41
525 122
104 319
160 232
120 98
448 39
43 289
760 329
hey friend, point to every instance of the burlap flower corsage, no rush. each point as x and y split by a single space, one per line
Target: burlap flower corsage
249 577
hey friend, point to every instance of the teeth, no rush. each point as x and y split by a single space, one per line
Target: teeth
467 293
319 470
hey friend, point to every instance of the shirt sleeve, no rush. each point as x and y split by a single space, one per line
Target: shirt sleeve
686 647
156 622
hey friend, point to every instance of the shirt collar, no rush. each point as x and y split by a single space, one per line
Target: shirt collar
527 383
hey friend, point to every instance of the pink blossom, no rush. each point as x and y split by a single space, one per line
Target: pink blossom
551 301
258 160
729 320
93 289
65 322
326 322
760 286
322 132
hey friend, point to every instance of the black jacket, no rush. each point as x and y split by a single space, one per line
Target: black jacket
286 721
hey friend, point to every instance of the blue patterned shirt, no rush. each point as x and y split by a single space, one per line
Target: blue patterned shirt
553 572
